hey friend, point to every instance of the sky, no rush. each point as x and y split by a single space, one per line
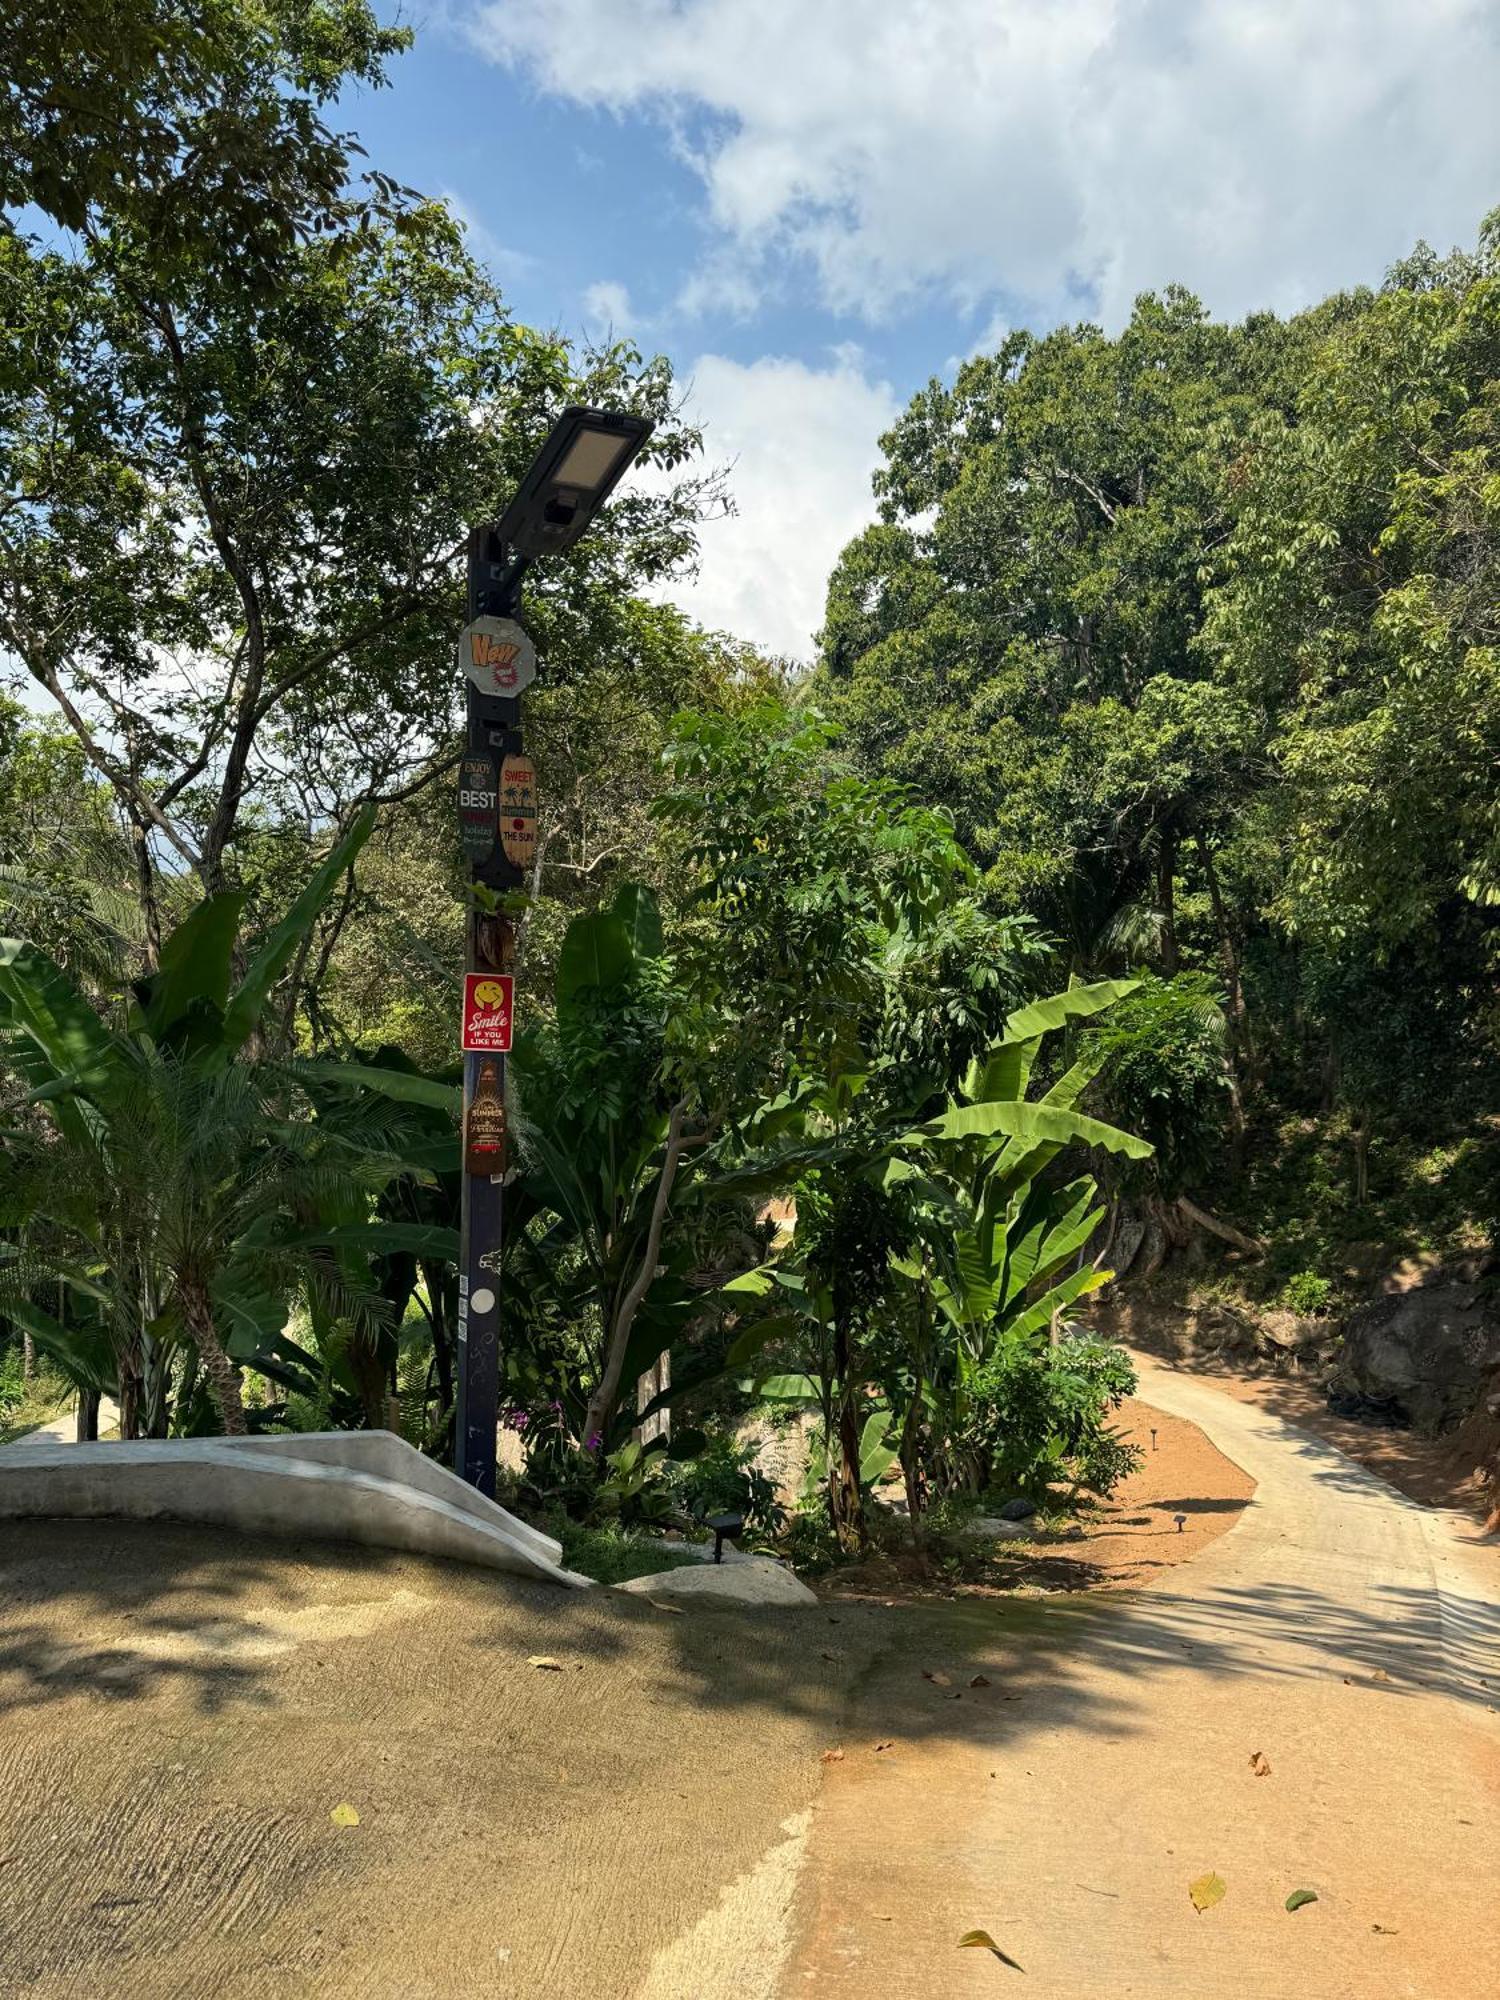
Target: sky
813 206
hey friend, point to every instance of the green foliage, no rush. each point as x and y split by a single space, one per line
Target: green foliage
1037 1418
1192 631
1307 1293
1164 1073
726 1478
247 1203
610 1553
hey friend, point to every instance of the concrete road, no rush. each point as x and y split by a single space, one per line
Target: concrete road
1347 1635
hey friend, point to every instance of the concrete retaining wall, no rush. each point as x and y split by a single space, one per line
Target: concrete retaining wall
356 1486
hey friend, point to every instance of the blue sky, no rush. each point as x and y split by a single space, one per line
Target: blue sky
813 205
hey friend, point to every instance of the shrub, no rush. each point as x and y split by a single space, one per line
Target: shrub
1038 1417
726 1478
1307 1294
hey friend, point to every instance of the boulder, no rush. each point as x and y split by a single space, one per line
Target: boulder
1427 1352
1018 1509
1291 1334
755 1580
994 1528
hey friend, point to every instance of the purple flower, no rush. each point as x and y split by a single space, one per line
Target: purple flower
594 1442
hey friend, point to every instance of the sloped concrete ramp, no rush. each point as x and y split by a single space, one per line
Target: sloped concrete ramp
349 1486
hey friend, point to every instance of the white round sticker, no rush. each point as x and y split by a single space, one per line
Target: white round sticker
483 1300
497 655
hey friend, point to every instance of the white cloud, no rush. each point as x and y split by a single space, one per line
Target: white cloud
803 442
607 308
1063 153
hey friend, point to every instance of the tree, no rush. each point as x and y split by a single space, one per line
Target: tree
267 500
1358 611
199 127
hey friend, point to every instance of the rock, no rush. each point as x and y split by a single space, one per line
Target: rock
703 1552
1128 1239
993 1528
1426 1353
1018 1510
754 1580
1291 1334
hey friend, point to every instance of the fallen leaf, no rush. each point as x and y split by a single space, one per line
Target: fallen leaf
938 1680
1259 1764
982 1941
1380 1674
883 1746
1206 1891
828 1656
980 1681
1385 1930
344 1815
1299 1898
661 1604
544 1663
833 1756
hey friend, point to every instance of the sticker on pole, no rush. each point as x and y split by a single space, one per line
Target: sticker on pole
488 999
518 810
478 803
497 656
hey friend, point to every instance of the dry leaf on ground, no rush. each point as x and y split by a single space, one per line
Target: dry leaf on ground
544 1663
937 1679
661 1604
1299 1898
1206 1891
980 1681
883 1746
1259 1764
833 1756
344 1815
982 1941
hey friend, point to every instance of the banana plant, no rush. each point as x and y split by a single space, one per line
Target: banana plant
167 1175
993 1248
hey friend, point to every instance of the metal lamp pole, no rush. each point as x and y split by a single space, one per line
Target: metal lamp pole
569 480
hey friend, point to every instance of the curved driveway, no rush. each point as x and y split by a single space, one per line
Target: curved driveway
1348 1635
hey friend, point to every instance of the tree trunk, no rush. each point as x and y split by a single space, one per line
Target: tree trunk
602 1403
1229 952
1166 869
846 1501
1361 1159
442 1346
219 1371
28 1356
155 1400
1251 1245
88 1417
911 1469
128 1375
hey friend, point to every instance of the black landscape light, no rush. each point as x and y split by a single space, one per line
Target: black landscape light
570 478
722 1525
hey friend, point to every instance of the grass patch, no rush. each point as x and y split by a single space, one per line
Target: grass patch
25 1406
612 1554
